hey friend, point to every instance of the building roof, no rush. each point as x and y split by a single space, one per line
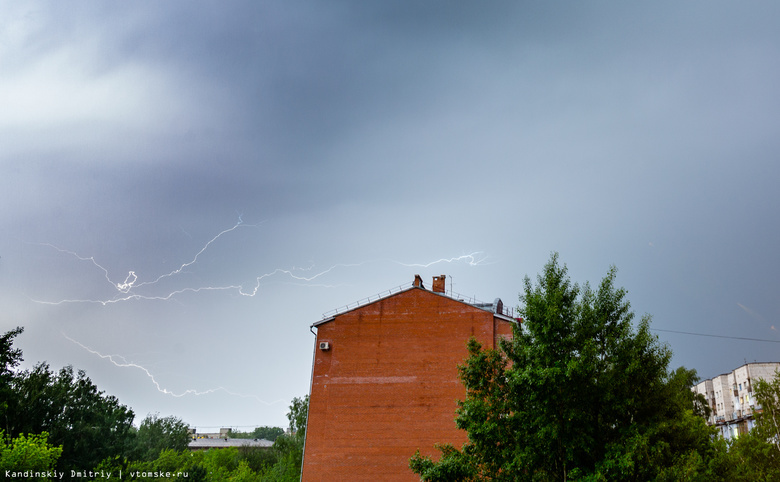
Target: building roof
748 364
497 307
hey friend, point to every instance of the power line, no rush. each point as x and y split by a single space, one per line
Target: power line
716 336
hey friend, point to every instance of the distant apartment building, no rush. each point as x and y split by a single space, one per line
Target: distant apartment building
221 443
385 380
214 440
730 397
224 432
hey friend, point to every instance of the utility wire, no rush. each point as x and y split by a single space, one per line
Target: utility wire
716 336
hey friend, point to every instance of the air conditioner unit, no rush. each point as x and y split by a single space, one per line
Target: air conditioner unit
324 345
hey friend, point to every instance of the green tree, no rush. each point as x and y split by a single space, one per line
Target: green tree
89 425
180 465
10 358
28 453
754 456
258 459
767 394
579 393
299 411
453 465
289 448
280 463
267 433
156 434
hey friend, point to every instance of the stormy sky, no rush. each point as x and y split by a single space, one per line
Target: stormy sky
188 186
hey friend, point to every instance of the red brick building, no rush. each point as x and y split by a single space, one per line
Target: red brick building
385 381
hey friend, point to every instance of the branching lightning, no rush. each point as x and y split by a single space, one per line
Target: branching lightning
91 259
195 258
128 288
132 286
130 280
121 362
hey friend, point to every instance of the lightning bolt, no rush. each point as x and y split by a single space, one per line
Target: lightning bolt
127 289
240 223
476 258
129 283
121 362
92 260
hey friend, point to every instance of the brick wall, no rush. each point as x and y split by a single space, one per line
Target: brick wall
388 385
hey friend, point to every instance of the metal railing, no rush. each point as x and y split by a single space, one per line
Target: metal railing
506 311
366 301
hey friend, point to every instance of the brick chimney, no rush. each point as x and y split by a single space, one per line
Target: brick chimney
418 281
438 284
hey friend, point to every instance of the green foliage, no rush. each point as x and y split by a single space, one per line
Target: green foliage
89 425
9 360
299 410
289 452
9 357
176 465
767 396
277 464
214 465
289 448
156 434
579 393
82 428
28 452
280 463
745 459
754 456
453 465
258 458
267 433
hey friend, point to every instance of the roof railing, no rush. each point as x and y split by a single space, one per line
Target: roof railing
506 311
366 301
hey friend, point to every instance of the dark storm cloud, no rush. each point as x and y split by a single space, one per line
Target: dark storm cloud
357 133
276 88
